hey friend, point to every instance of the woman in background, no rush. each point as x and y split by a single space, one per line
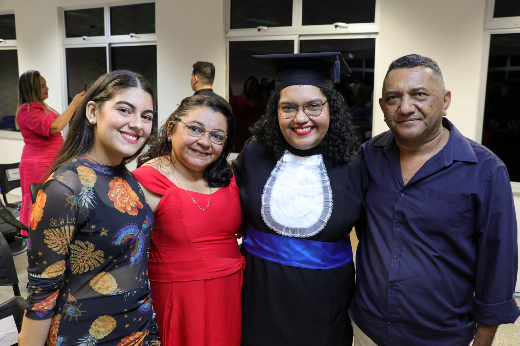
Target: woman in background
90 227
41 128
195 265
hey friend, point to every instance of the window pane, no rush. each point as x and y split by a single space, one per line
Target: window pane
332 11
254 13
506 8
142 59
501 132
7 27
8 88
136 19
84 65
250 82
88 22
357 89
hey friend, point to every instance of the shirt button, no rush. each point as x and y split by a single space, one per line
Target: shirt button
396 256
402 194
389 323
391 285
397 225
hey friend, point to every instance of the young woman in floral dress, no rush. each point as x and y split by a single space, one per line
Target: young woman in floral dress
90 227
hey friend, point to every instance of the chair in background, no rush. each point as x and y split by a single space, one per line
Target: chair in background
10 180
10 228
16 305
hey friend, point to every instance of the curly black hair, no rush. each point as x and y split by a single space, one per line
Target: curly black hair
341 139
217 174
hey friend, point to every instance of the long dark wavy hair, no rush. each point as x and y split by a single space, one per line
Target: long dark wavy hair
217 174
341 141
80 138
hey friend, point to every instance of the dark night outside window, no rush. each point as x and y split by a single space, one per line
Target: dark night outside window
88 22
7 27
84 65
501 132
8 86
506 8
250 82
142 59
332 11
358 87
136 19
254 13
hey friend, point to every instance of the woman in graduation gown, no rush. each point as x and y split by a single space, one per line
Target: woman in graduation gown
302 190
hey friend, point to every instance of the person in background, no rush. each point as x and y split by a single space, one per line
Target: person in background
41 128
90 227
202 79
247 109
438 261
195 264
302 189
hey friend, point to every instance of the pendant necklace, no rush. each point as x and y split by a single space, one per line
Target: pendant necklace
172 168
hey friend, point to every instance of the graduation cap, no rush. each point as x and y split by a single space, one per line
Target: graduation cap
318 69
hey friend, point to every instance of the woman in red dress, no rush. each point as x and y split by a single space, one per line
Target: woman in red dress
195 265
41 128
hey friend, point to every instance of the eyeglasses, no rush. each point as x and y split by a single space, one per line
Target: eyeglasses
312 109
198 130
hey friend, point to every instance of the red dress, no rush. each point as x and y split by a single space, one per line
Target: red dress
195 266
40 149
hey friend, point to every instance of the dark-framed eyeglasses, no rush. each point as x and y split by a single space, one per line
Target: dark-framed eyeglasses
198 130
312 109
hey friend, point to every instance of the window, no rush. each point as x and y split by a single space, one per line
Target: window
501 119
101 39
334 11
293 26
8 72
357 89
255 13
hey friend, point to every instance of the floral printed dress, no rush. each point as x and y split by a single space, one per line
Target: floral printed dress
88 246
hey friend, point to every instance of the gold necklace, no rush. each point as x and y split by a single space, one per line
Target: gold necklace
172 168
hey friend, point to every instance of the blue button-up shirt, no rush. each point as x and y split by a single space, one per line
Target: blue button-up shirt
440 253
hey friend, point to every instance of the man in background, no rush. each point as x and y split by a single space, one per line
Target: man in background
202 81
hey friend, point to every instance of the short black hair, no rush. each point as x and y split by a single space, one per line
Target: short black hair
416 60
205 71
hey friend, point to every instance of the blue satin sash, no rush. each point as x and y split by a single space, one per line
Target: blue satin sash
297 252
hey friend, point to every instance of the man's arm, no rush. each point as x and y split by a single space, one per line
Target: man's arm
484 335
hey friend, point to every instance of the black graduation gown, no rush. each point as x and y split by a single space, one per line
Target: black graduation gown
285 305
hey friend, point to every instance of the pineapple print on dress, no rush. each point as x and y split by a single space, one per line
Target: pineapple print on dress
105 283
101 327
88 178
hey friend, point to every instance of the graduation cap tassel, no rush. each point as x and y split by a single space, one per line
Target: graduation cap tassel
337 70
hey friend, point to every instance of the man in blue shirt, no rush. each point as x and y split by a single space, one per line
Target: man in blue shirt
437 263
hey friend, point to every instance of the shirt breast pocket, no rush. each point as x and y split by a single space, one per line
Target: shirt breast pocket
441 212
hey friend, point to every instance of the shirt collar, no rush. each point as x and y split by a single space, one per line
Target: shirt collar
458 147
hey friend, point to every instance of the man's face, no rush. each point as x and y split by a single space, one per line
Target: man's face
414 103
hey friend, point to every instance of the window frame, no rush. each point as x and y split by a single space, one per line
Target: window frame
106 41
298 29
498 23
492 26
8 44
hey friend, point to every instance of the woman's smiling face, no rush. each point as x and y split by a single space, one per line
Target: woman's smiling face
303 132
196 153
122 125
